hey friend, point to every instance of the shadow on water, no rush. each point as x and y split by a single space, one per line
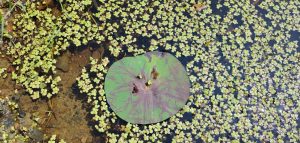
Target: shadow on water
93 45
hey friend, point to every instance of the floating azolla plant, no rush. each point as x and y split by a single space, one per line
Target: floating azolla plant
147 88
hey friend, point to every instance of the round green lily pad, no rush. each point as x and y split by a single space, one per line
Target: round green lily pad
148 88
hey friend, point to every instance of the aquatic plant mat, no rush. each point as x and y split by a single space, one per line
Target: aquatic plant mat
241 60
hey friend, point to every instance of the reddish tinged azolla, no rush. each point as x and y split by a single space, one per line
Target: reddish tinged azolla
148 88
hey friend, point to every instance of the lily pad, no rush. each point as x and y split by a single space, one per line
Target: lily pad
148 88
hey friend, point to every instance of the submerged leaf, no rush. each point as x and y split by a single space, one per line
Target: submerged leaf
200 6
147 88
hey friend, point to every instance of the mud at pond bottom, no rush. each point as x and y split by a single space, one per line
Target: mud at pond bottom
66 118
7 85
64 115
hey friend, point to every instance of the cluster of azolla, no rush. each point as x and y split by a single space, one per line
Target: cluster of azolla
93 87
242 58
40 36
91 84
3 73
53 139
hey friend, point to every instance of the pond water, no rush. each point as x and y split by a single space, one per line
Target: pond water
242 60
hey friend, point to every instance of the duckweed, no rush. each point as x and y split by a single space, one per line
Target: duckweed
241 62
242 59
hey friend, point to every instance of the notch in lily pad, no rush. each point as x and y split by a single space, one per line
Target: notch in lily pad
148 88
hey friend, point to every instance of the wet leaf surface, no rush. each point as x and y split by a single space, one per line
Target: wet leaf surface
147 88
